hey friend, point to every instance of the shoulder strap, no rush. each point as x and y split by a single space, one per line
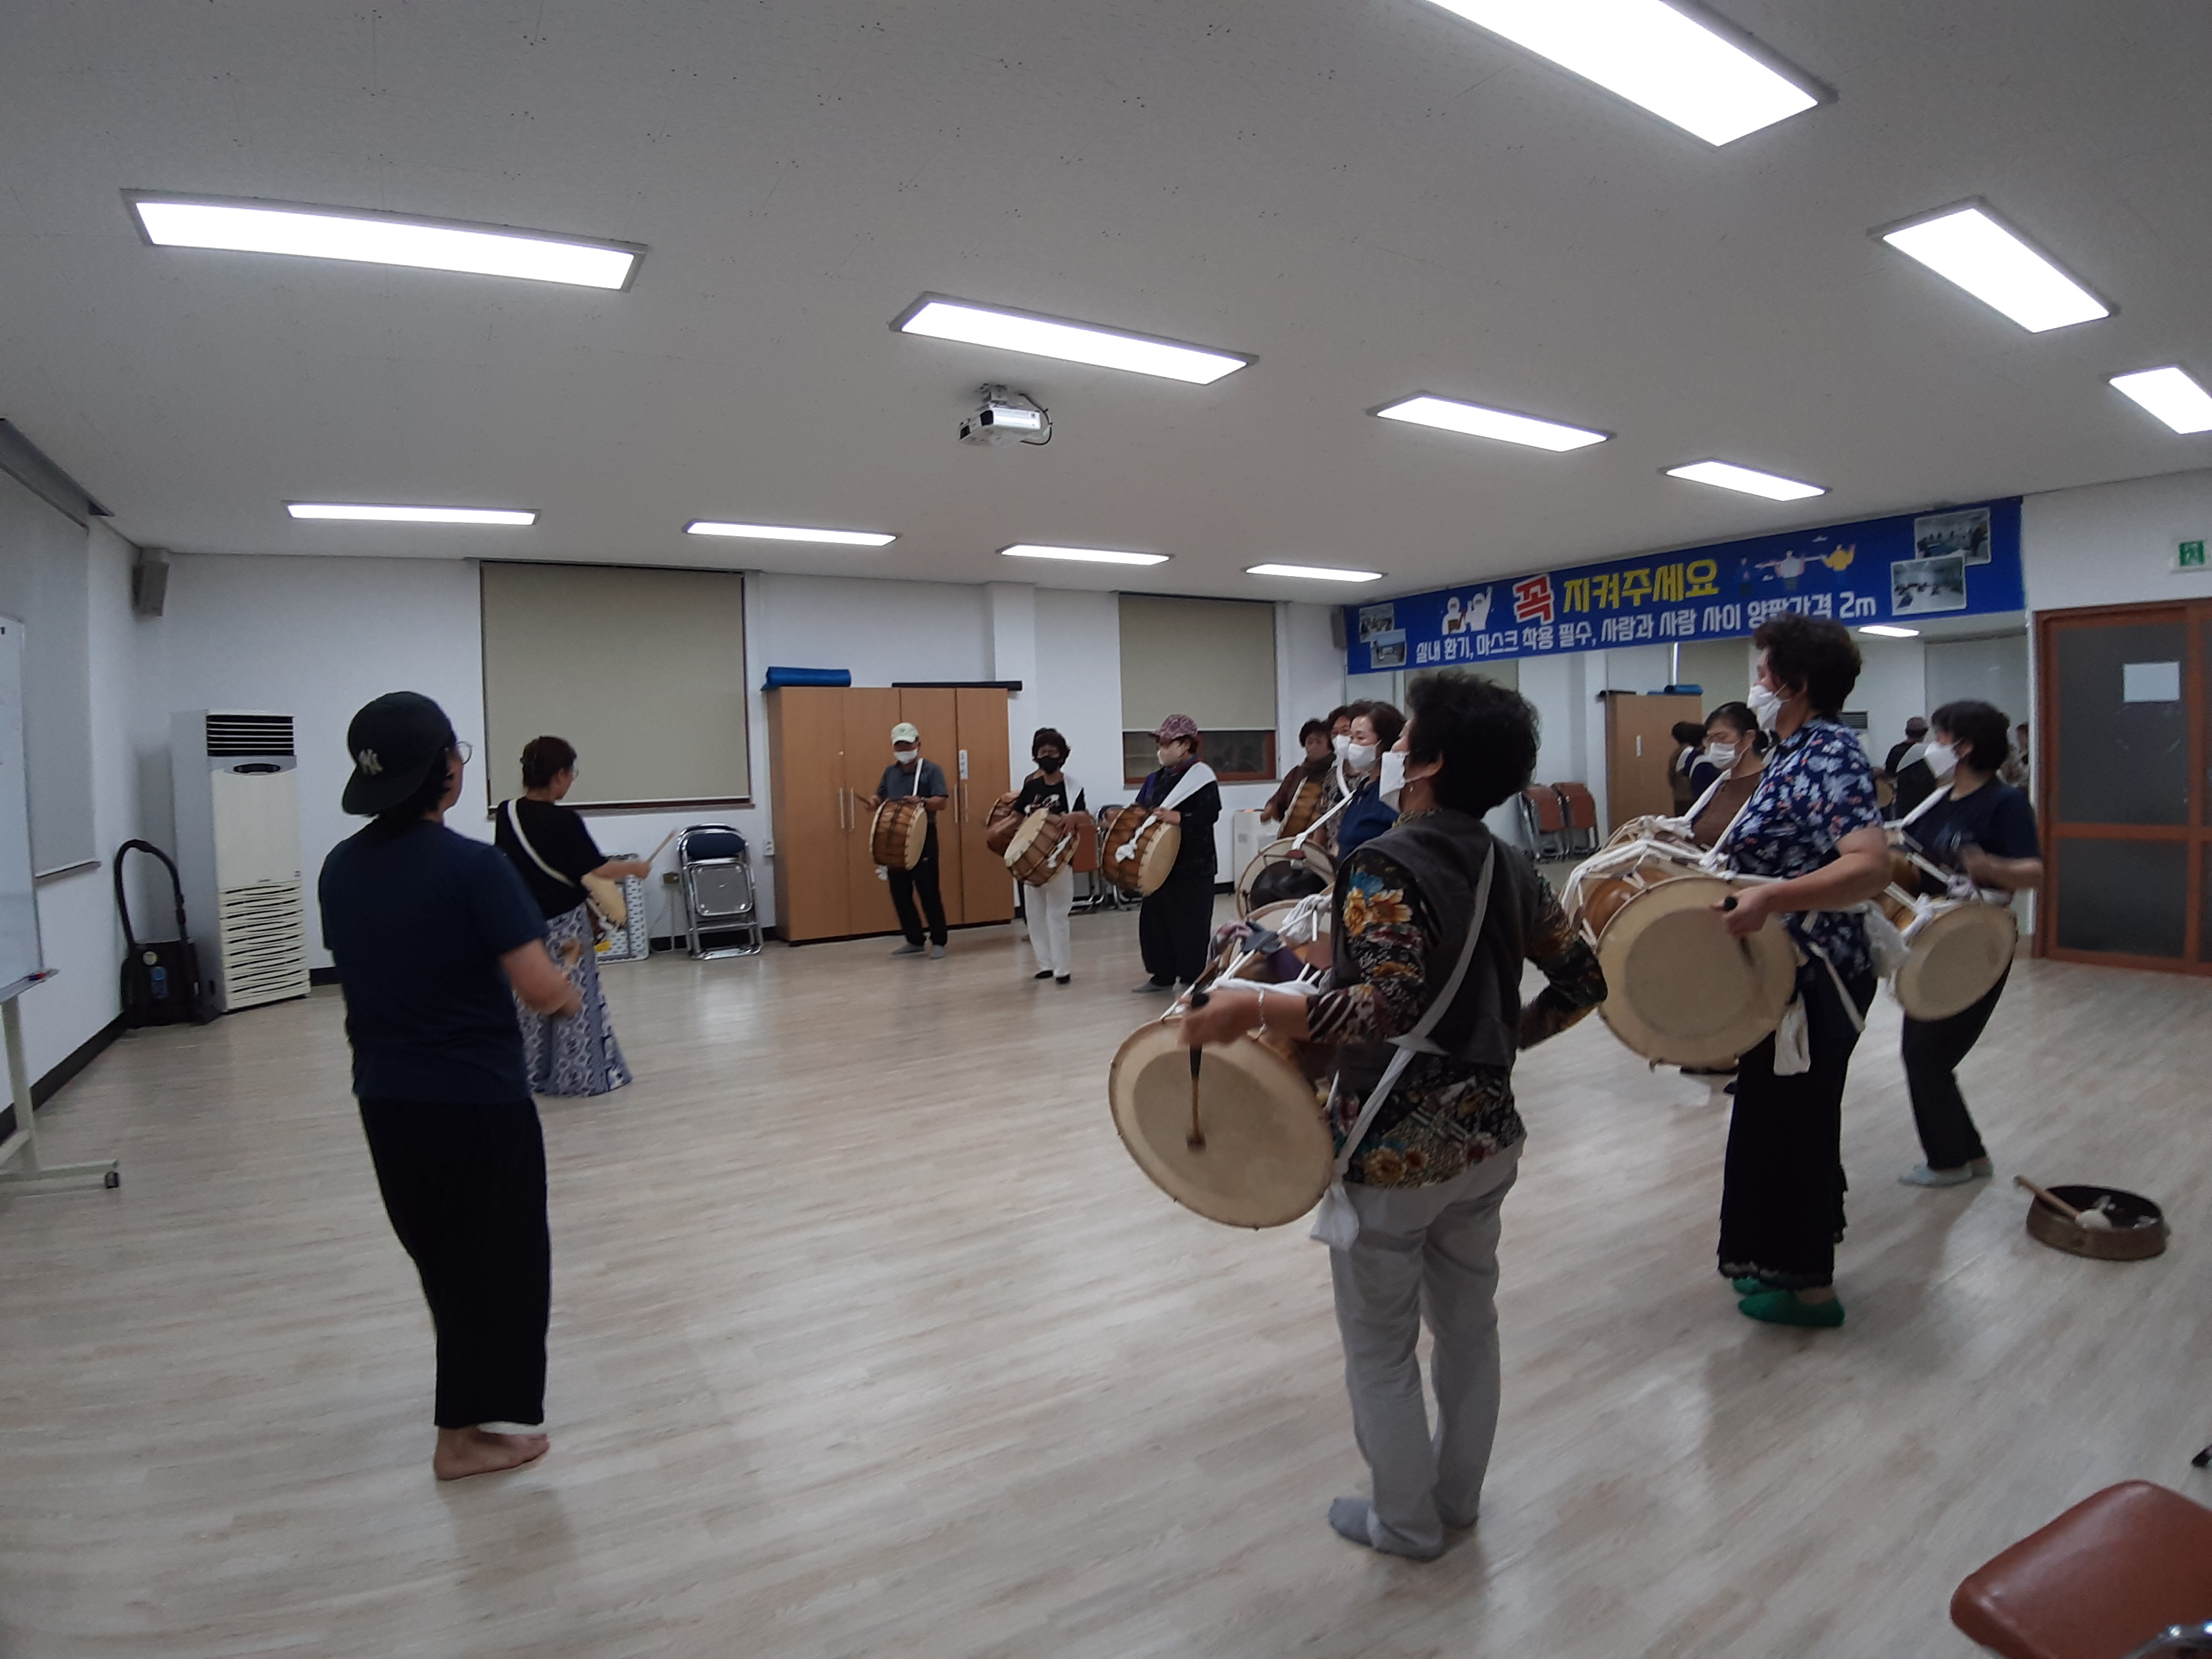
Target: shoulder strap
1941 791
1187 784
514 822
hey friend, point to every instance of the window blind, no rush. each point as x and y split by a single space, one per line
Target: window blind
642 670
45 583
1213 659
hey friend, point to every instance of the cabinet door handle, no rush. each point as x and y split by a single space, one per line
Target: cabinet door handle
841 807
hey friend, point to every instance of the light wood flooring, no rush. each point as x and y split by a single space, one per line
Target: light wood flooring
869 1338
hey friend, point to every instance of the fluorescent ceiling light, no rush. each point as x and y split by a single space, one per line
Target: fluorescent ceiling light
2171 395
778 533
1724 475
1080 555
1479 423
1319 573
408 514
941 319
381 239
1969 247
1883 630
1652 55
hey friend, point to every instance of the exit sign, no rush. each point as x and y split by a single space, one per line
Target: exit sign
2189 556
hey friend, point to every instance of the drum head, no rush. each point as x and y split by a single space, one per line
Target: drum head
1313 855
1958 951
1025 835
1680 991
1310 935
917 836
1268 1157
1159 843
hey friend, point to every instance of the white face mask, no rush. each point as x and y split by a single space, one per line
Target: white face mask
1943 759
1359 757
906 756
1340 744
1721 754
1765 706
1168 756
1394 775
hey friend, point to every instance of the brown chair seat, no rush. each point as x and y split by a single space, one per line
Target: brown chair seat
2101 1581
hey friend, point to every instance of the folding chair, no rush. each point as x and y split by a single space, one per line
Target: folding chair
1545 821
717 884
1580 808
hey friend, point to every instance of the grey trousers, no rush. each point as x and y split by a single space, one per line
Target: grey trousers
1430 1250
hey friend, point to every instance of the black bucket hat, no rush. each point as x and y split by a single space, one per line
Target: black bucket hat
394 743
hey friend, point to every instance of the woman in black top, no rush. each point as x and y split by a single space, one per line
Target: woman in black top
1178 919
1051 789
1983 829
552 848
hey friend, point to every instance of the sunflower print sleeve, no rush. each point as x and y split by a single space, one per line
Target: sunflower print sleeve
1385 941
1577 985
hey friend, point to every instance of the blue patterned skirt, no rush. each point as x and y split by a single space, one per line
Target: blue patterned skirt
578 1055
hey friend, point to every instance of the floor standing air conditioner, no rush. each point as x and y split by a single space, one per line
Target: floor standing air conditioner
238 845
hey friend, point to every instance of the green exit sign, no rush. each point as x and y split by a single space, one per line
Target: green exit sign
2189 556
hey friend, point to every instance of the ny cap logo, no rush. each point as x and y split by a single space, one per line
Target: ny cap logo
367 762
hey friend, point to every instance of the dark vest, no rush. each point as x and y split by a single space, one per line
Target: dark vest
1442 851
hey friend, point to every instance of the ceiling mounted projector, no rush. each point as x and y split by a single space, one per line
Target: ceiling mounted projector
1006 417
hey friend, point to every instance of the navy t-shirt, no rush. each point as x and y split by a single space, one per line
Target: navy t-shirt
418 922
1995 817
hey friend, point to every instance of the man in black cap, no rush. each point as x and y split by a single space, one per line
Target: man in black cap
429 929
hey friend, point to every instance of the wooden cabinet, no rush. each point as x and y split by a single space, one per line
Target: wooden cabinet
1640 743
828 747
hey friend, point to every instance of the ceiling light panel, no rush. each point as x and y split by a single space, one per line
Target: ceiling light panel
381 239
1726 475
2171 395
1079 554
1478 422
1654 56
372 513
1884 631
939 319
1970 247
1318 572
777 533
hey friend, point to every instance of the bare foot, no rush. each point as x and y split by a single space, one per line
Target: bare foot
464 1452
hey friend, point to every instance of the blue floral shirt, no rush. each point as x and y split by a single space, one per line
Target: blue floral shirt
1817 788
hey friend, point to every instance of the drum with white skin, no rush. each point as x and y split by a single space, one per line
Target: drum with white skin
1141 851
1957 950
899 834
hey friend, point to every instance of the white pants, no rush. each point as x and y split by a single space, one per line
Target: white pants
1047 907
1432 1250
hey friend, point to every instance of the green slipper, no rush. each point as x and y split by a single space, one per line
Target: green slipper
1749 1285
1783 1308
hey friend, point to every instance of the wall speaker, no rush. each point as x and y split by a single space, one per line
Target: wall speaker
1336 626
150 581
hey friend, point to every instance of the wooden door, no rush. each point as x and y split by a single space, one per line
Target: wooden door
870 712
1640 743
806 738
985 772
933 713
2121 749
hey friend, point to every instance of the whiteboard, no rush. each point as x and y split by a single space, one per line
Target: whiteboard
21 956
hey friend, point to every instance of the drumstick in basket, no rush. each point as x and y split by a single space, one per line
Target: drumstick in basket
1196 1140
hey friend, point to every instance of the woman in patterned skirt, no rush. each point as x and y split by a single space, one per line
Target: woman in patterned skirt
552 848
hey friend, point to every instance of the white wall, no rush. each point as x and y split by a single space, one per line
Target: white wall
2113 543
1078 689
1992 671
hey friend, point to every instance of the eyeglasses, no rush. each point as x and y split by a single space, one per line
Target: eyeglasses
465 749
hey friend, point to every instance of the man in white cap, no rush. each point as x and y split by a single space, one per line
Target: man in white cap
910 775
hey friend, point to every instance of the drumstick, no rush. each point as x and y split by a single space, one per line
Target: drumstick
657 851
2051 1199
1196 1140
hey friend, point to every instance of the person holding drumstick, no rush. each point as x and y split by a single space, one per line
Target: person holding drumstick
910 775
1813 826
1049 789
1375 729
1985 831
1176 920
1734 756
1434 919
1304 790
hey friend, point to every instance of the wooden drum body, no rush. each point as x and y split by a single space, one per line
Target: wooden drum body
1312 856
900 834
1141 851
1679 990
1957 950
1268 1157
1309 929
1039 847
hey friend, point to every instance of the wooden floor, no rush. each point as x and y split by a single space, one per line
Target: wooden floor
868 1338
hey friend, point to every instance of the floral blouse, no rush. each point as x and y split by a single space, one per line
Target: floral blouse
1817 788
1443 1114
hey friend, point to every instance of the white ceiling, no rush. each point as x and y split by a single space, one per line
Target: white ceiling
1371 195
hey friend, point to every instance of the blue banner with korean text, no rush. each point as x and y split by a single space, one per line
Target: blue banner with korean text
1960 561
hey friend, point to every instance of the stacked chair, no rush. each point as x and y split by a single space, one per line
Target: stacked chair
715 872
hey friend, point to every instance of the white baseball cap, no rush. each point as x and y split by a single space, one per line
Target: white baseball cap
906 731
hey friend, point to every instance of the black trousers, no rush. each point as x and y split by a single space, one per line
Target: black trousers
1177 924
1782 1189
465 1185
1932 1050
919 882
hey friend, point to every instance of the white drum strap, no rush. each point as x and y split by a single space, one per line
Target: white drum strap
1337 1224
1187 784
1343 800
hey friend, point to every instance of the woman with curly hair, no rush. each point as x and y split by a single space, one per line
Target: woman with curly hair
1434 918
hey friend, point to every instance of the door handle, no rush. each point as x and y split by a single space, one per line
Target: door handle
840 808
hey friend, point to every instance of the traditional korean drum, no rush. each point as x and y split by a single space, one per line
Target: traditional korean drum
1312 856
1262 1156
1679 990
1040 845
1141 851
1958 949
1307 925
900 834
1083 855
1000 823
